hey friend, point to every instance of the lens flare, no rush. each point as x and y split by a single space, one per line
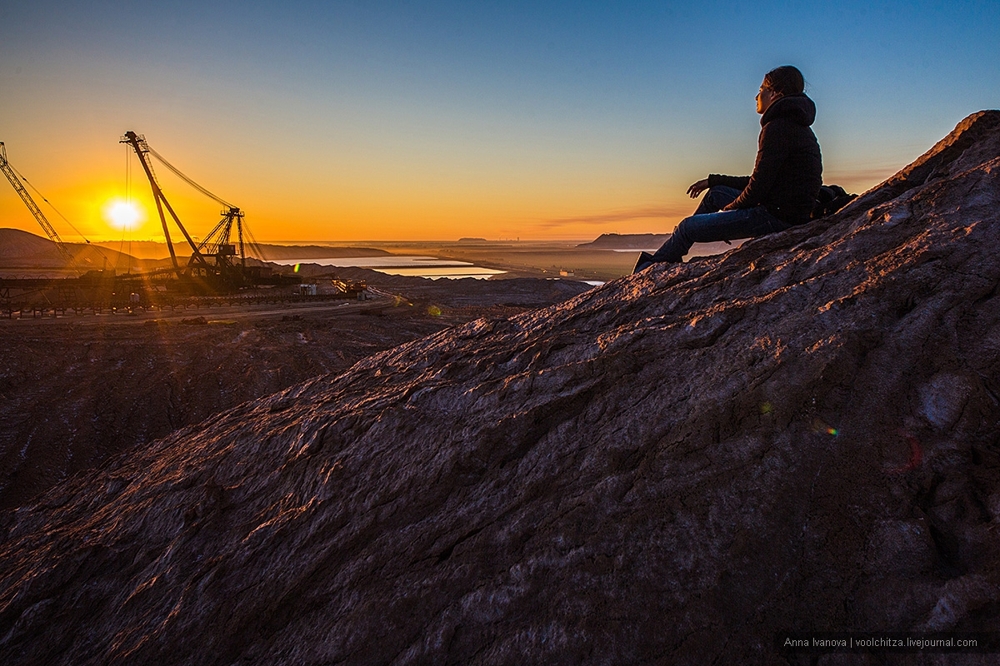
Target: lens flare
821 427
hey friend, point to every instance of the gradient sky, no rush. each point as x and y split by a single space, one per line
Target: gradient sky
438 120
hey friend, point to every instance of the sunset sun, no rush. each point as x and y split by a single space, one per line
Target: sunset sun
123 215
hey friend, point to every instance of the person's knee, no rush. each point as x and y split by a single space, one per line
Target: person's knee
719 196
683 229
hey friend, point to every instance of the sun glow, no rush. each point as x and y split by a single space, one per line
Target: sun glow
123 215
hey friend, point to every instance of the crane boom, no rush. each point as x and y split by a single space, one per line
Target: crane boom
140 146
12 176
219 261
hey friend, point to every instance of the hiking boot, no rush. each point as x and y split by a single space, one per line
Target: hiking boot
644 261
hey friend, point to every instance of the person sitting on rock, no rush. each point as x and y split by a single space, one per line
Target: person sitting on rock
781 192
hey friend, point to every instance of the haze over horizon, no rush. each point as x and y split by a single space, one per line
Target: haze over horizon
346 121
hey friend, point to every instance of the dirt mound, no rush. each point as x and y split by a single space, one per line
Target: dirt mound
20 248
799 435
23 253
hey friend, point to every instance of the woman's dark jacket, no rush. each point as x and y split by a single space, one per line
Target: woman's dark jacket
789 169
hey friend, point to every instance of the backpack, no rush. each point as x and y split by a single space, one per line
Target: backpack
830 199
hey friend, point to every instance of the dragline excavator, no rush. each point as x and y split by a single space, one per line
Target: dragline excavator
218 264
15 180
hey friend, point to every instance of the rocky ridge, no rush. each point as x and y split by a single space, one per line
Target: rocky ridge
800 434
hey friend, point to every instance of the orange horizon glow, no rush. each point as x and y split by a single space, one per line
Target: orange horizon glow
334 205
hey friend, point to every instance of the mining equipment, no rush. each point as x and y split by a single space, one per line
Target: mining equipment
216 273
15 181
218 264
92 286
356 289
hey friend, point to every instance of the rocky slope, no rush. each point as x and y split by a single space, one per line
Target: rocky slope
800 434
80 389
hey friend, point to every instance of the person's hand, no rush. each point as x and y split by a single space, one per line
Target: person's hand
698 188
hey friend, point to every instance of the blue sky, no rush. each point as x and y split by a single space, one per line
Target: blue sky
355 120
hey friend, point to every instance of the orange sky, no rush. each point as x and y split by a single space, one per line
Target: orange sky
361 199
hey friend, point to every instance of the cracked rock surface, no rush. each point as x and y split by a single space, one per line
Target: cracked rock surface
800 434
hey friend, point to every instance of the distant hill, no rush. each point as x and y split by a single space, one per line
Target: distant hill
16 245
276 252
156 250
139 249
25 250
626 241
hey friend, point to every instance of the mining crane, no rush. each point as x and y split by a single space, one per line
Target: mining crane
15 180
215 263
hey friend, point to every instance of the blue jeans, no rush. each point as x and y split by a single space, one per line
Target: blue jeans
708 225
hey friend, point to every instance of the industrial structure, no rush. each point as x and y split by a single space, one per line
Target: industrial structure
218 264
218 269
15 181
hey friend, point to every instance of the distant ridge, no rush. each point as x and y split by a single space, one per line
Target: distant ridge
157 250
23 249
626 241
16 244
